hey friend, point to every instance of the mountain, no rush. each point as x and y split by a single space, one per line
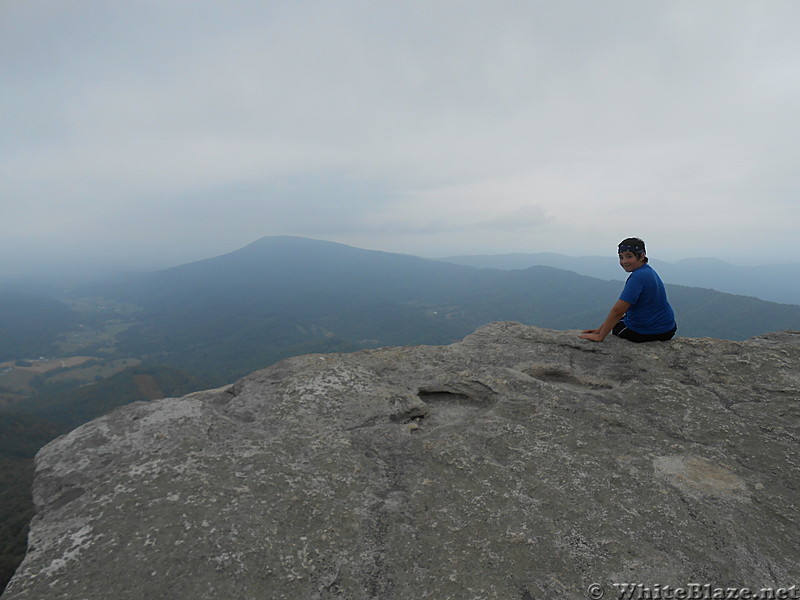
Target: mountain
594 266
518 463
773 282
282 296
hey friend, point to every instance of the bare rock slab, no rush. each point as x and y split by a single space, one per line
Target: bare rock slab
519 463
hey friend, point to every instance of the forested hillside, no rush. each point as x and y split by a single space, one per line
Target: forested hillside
228 315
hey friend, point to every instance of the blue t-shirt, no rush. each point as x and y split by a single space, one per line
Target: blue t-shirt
650 311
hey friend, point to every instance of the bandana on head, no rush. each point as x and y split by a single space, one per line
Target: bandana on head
628 248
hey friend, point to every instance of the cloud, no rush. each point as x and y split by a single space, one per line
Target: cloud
526 218
436 123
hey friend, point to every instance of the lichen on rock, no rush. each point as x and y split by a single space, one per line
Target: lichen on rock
517 463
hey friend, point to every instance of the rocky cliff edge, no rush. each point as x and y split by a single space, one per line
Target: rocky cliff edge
518 463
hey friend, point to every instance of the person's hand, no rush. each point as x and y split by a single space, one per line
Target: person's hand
590 334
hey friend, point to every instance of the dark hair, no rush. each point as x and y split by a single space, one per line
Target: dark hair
635 245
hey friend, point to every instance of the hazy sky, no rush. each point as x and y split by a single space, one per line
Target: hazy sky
163 131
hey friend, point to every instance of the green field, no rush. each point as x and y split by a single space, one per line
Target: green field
40 374
101 369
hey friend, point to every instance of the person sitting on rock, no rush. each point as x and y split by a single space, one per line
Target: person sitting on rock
642 313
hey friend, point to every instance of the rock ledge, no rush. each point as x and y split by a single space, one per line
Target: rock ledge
518 463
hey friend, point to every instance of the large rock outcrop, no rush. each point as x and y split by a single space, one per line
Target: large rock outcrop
518 463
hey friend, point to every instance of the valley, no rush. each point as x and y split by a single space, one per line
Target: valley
21 378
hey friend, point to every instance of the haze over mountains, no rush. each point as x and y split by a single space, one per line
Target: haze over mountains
289 294
773 282
280 296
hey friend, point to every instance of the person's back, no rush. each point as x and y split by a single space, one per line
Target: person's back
650 312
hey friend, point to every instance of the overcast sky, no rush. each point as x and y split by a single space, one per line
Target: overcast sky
159 132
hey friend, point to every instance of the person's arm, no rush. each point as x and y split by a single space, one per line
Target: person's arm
617 312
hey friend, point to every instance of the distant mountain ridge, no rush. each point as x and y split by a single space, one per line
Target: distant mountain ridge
771 282
282 296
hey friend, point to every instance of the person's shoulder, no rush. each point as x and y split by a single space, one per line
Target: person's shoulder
648 273
644 273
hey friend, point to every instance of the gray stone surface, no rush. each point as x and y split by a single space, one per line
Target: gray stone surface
518 463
